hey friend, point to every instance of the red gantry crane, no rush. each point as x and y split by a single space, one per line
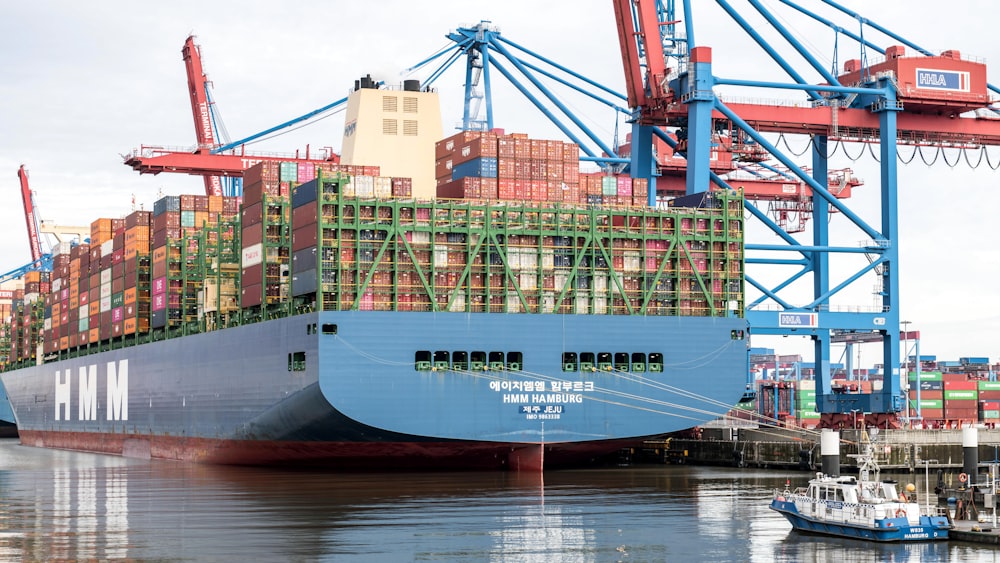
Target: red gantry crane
209 159
197 83
34 241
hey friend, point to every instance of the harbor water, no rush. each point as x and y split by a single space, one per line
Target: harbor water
57 505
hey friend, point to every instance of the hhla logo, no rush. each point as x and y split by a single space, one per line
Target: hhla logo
116 406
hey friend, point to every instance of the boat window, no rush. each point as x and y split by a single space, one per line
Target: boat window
621 361
569 362
587 361
477 361
496 361
328 328
656 363
421 360
297 361
604 361
460 361
442 360
515 361
638 362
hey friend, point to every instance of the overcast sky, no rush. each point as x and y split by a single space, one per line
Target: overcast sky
84 82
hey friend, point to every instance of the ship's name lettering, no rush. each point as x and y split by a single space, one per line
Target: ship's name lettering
115 383
526 398
539 386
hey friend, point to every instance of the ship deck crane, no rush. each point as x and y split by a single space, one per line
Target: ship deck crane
200 108
923 101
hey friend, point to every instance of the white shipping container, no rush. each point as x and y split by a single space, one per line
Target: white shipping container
47 324
548 302
56 284
106 290
514 304
422 237
600 306
440 257
548 259
62 248
105 304
560 281
364 186
347 189
252 255
106 247
600 284
458 305
632 261
85 310
106 276
527 282
581 304
383 187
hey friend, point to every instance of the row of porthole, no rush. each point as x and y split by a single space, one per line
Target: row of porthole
440 360
636 362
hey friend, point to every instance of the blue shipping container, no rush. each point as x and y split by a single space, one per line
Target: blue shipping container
483 167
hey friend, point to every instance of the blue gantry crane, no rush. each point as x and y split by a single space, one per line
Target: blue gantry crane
917 100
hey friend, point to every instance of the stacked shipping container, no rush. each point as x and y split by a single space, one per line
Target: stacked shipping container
491 165
355 242
479 257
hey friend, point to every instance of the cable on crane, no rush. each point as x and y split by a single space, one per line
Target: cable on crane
912 155
871 151
944 156
782 139
936 154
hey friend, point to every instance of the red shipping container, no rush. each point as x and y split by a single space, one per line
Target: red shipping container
963 385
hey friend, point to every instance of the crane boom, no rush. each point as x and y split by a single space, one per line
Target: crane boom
29 215
200 108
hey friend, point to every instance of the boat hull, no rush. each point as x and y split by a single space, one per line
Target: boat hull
347 389
884 530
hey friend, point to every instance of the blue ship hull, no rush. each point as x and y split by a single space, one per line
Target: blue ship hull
898 529
354 389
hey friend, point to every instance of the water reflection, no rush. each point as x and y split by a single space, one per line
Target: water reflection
71 506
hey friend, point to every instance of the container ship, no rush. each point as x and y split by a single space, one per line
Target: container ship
522 316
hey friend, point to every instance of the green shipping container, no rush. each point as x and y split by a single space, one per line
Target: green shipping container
990 414
806 394
926 376
806 414
288 172
609 185
960 395
989 385
187 218
117 300
807 405
928 404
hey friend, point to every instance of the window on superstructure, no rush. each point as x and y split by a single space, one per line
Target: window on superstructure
390 103
587 361
410 104
328 328
390 127
410 128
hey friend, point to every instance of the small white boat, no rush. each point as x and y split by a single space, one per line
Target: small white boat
862 508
